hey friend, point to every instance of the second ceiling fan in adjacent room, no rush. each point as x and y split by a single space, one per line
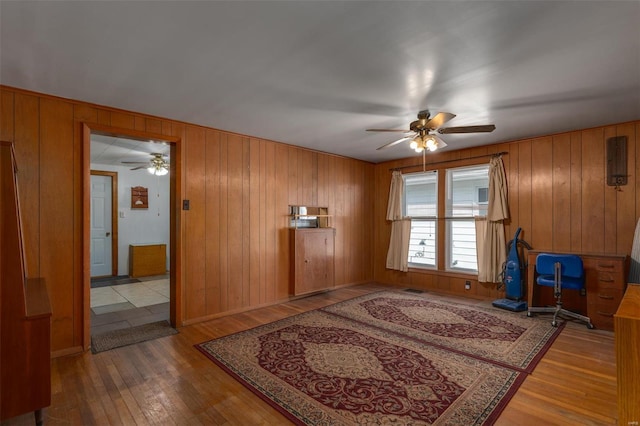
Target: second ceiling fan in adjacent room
158 165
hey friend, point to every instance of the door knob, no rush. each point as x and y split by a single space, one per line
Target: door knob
108 233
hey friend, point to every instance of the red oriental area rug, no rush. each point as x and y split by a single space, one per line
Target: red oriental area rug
505 338
323 368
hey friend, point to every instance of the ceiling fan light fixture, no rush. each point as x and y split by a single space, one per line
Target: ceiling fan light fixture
424 142
158 166
157 170
431 143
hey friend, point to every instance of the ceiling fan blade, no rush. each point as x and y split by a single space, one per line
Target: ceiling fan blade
134 162
406 138
468 129
441 143
388 130
439 120
139 167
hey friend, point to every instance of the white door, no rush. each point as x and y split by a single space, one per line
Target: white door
101 226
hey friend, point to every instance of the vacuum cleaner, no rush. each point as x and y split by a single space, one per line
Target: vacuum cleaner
513 273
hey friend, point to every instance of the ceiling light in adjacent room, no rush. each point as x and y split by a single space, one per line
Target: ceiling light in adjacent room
158 170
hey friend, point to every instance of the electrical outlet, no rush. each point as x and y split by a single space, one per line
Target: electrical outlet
467 285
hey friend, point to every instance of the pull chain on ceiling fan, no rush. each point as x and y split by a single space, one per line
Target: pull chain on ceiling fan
422 131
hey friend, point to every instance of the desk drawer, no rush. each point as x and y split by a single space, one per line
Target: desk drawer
602 320
610 280
604 264
608 265
605 300
602 306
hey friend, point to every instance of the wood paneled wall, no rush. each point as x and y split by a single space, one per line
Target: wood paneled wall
235 245
557 194
237 235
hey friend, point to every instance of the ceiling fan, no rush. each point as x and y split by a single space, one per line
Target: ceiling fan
156 166
422 132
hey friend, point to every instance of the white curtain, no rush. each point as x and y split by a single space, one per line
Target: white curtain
394 208
490 241
398 253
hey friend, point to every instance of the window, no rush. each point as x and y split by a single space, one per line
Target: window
421 204
467 190
467 197
483 195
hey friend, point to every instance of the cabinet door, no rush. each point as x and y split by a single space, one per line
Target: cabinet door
314 250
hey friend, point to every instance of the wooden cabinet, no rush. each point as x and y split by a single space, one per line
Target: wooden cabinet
627 335
605 281
147 259
312 261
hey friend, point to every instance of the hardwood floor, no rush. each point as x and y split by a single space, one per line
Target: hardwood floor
167 381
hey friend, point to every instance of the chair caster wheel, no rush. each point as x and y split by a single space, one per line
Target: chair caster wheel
590 326
529 314
554 323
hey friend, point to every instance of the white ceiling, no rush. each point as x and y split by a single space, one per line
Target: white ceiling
318 73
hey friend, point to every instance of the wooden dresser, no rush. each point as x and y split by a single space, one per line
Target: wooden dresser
312 264
627 335
605 282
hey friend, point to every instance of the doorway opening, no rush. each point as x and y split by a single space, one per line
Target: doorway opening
130 237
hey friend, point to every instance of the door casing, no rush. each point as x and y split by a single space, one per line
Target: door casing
175 212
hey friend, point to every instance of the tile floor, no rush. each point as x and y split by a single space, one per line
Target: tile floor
128 305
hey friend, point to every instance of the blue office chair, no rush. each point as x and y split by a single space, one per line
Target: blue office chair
560 271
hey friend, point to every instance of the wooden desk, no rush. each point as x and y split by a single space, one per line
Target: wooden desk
605 282
627 335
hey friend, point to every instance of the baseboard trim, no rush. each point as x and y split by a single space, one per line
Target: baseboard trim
263 305
73 350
